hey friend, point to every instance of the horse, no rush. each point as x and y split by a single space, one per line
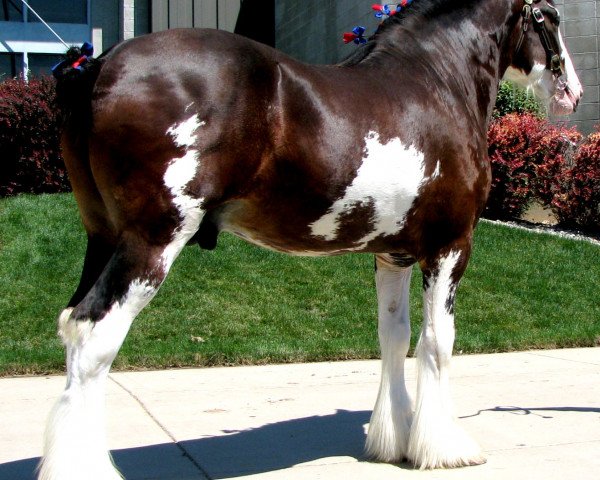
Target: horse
173 137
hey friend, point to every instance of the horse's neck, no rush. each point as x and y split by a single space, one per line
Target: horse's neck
458 55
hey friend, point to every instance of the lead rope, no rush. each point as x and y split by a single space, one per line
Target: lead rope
47 26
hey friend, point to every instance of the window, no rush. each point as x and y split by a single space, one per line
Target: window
41 64
11 11
11 65
59 11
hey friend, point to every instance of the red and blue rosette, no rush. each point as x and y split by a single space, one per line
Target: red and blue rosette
382 10
76 59
356 36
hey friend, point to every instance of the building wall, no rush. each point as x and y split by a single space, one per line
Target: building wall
579 24
105 20
311 30
28 45
221 14
117 20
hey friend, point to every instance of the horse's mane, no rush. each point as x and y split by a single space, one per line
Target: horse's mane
424 9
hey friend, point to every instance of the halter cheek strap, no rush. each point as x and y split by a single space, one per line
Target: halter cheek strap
548 41
526 14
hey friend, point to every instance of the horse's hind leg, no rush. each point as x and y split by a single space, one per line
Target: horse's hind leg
93 331
98 252
389 428
436 440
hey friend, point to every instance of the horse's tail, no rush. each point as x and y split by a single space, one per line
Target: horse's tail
75 79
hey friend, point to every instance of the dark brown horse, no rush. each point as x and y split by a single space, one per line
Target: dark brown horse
179 135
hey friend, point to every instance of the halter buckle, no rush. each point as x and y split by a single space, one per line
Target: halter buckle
538 16
556 65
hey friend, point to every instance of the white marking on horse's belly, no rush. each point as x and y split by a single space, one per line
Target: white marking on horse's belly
388 180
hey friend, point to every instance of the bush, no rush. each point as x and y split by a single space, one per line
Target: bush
556 150
513 99
526 154
30 158
577 200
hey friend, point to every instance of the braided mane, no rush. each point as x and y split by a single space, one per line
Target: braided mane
424 9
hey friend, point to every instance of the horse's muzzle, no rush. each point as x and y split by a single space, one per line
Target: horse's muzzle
566 99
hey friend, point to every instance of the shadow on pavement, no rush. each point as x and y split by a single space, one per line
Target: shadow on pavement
533 410
263 449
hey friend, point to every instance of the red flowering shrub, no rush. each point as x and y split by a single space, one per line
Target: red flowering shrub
526 154
30 159
556 150
577 200
512 141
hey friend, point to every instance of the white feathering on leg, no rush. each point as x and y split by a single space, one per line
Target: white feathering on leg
387 440
436 440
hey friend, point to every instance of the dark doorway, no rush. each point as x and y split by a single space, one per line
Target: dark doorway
256 20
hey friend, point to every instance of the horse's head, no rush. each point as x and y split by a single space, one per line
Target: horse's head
540 59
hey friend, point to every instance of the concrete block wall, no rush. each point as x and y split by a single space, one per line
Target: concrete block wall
579 26
312 30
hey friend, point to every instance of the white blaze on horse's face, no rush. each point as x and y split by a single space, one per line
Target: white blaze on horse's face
560 100
574 90
388 180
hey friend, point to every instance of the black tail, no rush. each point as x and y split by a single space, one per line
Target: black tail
75 79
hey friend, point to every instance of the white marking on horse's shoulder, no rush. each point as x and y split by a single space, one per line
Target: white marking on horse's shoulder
388 179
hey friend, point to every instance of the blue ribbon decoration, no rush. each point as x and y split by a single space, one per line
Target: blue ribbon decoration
384 12
359 32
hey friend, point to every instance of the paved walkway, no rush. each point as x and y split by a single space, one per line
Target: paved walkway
536 415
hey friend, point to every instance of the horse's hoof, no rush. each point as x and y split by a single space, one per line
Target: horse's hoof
449 447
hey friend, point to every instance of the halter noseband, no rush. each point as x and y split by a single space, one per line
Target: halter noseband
548 41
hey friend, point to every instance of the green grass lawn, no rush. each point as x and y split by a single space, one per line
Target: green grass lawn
240 304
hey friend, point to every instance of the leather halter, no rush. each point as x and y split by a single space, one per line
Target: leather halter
549 42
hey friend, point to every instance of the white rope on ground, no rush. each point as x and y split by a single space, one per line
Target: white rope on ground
47 26
549 230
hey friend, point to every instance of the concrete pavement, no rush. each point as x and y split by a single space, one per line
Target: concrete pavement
536 414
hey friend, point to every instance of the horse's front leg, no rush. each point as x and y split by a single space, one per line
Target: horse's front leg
436 440
387 440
